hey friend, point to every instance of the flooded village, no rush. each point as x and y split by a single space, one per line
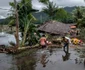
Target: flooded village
49 38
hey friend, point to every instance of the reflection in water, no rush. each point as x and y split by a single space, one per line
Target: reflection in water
58 60
84 62
51 51
66 57
29 60
43 60
76 60
26 63
79 61
26 60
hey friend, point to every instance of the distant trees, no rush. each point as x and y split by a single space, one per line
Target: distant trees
4 21
56 13
64 16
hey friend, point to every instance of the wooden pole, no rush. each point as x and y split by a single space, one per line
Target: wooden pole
17 25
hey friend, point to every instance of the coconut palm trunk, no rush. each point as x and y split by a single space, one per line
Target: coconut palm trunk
17 25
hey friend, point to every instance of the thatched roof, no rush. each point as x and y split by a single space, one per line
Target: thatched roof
55 27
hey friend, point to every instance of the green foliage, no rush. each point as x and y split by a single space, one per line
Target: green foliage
79 22
44 1
79 16
28 32
4 21
50 9
56 14
41 17
26 23
12 4
82 33
11 21
26 19
63 16
82 23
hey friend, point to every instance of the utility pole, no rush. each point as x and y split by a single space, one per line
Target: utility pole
17 25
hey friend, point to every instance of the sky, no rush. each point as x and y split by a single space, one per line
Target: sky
61 3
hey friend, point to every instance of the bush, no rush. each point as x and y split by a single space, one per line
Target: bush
82 34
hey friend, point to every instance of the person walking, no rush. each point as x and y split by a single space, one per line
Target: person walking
66 44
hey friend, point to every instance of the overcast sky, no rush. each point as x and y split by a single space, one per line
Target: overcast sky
62 3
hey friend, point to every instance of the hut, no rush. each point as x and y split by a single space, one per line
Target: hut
54 27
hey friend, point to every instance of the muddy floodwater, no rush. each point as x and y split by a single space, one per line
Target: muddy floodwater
52 59
7 62
60 60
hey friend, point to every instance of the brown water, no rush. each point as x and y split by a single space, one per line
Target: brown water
52 59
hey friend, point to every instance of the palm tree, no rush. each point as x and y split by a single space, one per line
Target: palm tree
11 16
78 15
50 9
17 25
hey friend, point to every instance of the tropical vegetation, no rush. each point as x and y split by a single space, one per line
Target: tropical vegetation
26 19
51 11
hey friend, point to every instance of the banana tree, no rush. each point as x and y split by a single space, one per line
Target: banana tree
26 27
28 32
25 18
26 23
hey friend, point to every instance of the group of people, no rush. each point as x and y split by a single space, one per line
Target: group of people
44 42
